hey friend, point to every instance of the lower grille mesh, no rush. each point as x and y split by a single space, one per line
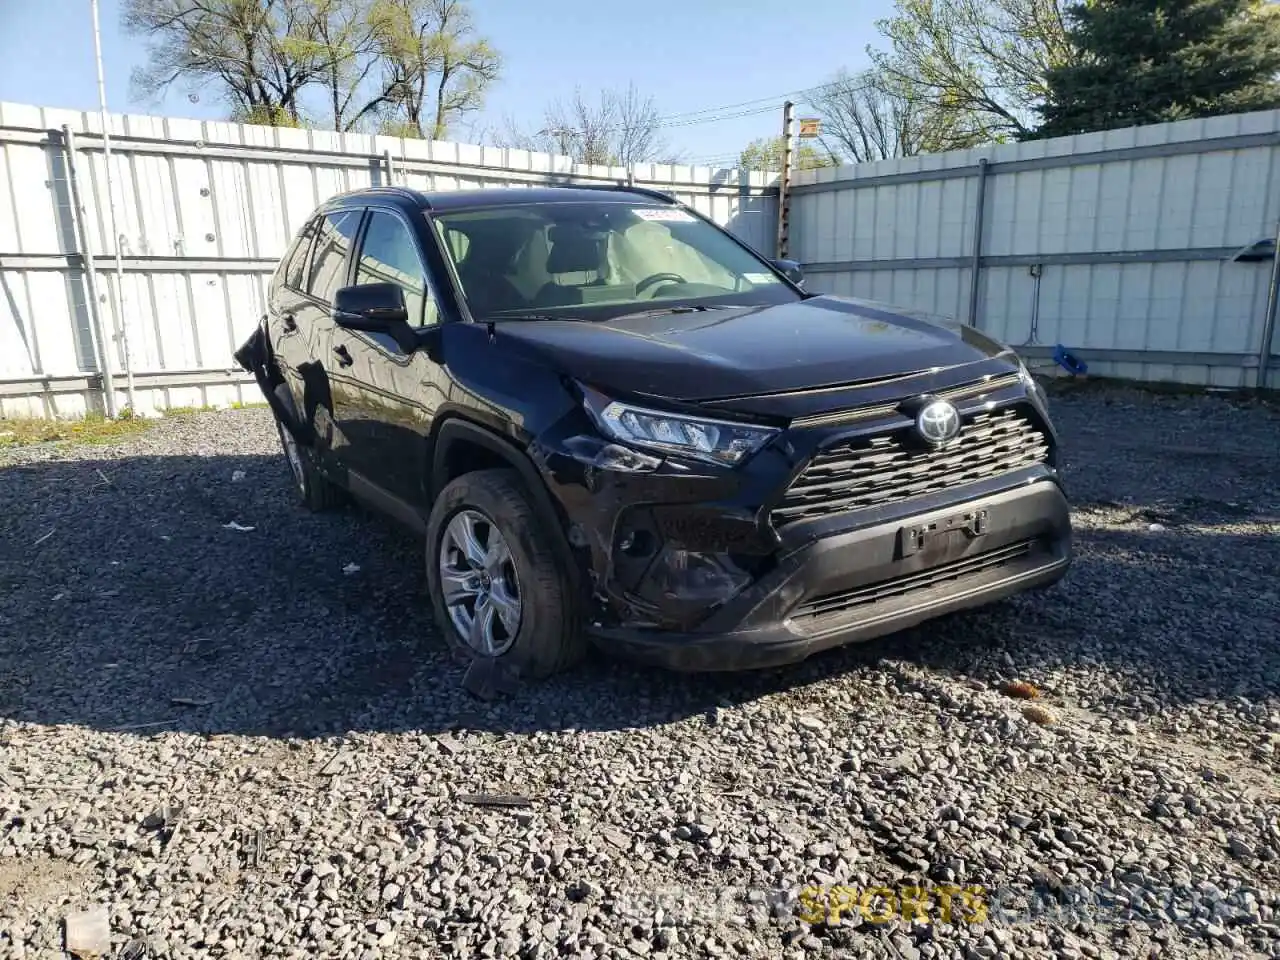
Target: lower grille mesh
900 586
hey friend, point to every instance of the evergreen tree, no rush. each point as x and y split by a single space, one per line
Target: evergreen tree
1153 61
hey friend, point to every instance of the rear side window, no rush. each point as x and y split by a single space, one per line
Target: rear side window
333 244
295 261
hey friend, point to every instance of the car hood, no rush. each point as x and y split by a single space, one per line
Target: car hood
740 352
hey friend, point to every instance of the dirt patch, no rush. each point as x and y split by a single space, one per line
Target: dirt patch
40 881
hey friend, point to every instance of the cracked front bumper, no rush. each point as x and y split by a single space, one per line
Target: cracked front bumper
867 582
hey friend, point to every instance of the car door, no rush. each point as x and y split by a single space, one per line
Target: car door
386 396
290 342
329 270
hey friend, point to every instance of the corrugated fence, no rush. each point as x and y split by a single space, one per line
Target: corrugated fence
203 210
1116 245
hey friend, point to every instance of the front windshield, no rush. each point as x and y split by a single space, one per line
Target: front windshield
596 260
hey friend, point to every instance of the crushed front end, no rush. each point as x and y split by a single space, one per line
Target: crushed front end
844 526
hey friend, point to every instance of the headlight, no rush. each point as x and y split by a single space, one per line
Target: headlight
715 441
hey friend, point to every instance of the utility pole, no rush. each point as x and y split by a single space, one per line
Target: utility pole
121 327
1269 319
784 183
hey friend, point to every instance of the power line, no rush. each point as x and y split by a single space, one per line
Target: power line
712 157
730 111
851 85
770 108
777 99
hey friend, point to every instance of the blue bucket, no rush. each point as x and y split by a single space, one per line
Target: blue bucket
1069 361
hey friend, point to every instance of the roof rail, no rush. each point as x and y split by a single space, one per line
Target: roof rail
394 188
620 186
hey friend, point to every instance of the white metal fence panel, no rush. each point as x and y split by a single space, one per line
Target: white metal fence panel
203 210
1116 245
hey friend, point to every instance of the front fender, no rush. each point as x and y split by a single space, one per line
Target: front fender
455 430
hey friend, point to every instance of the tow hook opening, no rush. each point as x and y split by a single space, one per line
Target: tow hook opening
686 576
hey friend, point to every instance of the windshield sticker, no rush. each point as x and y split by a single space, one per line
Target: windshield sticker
760 278
663 215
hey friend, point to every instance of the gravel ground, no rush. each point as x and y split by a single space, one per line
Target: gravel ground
239 745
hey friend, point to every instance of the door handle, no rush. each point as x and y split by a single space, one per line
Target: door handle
290 323
344 356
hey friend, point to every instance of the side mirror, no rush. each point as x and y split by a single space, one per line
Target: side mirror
375 308
791 270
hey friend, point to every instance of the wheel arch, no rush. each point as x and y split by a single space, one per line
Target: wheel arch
461 446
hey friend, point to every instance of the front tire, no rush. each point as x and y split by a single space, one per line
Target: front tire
496 587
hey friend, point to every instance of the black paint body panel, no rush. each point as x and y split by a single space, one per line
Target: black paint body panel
393 425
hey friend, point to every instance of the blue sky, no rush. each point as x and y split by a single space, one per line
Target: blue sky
688 54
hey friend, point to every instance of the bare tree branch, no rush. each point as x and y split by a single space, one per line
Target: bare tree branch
258 54
872 116
415 65
619 128
980 62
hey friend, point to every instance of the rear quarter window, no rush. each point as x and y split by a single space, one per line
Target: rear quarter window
333 247
293 267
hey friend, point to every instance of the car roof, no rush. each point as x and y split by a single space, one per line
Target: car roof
441 200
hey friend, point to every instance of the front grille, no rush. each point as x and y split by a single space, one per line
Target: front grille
911 582
884 469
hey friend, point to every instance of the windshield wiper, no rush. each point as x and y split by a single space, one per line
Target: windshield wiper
654 312
499 317
678 308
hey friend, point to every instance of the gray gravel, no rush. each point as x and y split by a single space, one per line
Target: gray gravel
241 746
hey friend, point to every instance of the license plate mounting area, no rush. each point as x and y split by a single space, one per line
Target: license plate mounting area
937 536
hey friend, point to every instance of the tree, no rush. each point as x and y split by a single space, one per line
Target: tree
873 116
258 53
619 128
1143 62
347 35
980 63
765 153
413 65
437 68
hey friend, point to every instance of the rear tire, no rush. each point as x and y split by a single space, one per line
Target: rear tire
507 596
316 491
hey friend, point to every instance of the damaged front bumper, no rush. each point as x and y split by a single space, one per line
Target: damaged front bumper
869 581
695 568
688 572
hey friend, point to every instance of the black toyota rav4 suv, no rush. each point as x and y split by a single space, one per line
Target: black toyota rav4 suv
612 420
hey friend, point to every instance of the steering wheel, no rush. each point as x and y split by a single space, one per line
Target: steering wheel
655 277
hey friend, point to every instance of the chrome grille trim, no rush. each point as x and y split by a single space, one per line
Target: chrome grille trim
888 467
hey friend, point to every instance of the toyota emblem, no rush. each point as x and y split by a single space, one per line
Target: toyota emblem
938 422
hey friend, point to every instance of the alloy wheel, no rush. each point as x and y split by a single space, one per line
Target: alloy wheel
478 581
